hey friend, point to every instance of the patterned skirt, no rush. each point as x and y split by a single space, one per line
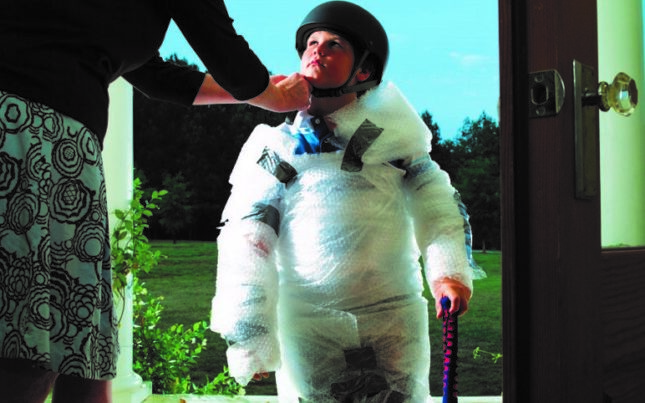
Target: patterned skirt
56 302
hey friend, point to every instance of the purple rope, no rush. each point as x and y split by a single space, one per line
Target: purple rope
450 350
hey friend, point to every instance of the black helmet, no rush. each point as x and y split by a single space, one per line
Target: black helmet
359 27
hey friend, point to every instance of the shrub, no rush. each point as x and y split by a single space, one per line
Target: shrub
130 249
164 357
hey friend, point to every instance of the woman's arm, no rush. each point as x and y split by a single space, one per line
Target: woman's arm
283 94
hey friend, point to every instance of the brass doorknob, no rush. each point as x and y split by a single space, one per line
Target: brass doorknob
621 95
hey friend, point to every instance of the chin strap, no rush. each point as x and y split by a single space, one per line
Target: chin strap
336 92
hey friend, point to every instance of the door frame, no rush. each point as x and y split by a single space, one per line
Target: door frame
550 240
514 194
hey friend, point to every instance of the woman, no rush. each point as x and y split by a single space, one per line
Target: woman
57 59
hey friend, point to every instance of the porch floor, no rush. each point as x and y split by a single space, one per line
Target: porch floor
273 399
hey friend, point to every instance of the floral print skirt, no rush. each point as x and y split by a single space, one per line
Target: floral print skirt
56 302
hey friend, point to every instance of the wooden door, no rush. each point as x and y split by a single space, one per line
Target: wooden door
573 314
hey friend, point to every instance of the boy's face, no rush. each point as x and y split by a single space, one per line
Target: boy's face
328 60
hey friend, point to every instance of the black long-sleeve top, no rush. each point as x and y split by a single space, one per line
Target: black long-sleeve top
65 53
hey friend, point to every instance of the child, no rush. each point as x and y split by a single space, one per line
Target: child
318 269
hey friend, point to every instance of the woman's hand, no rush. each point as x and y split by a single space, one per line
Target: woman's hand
285 94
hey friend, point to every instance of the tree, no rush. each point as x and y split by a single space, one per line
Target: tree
175 213
442 150
477 178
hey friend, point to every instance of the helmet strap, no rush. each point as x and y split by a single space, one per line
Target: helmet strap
346 88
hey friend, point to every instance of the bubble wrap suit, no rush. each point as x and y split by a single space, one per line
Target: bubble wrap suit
318 267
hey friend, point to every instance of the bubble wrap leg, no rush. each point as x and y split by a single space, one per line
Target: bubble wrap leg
312 343
314 356
398 332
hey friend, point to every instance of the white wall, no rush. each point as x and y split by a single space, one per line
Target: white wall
622 139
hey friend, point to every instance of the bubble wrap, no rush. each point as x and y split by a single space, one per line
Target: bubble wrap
244 309
322 256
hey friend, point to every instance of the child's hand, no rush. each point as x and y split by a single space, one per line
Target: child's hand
260 376
458 293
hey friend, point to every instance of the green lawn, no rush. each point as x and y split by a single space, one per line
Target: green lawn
186 280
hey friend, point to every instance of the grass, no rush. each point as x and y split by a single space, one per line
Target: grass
186 280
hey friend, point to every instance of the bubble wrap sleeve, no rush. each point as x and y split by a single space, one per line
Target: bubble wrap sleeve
441 224
244 306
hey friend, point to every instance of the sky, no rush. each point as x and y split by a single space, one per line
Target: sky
444 55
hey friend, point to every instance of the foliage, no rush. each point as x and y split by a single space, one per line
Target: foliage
477 352
176 212
441 151
165 357
161 356
222 384
472 161
131 252
478 179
